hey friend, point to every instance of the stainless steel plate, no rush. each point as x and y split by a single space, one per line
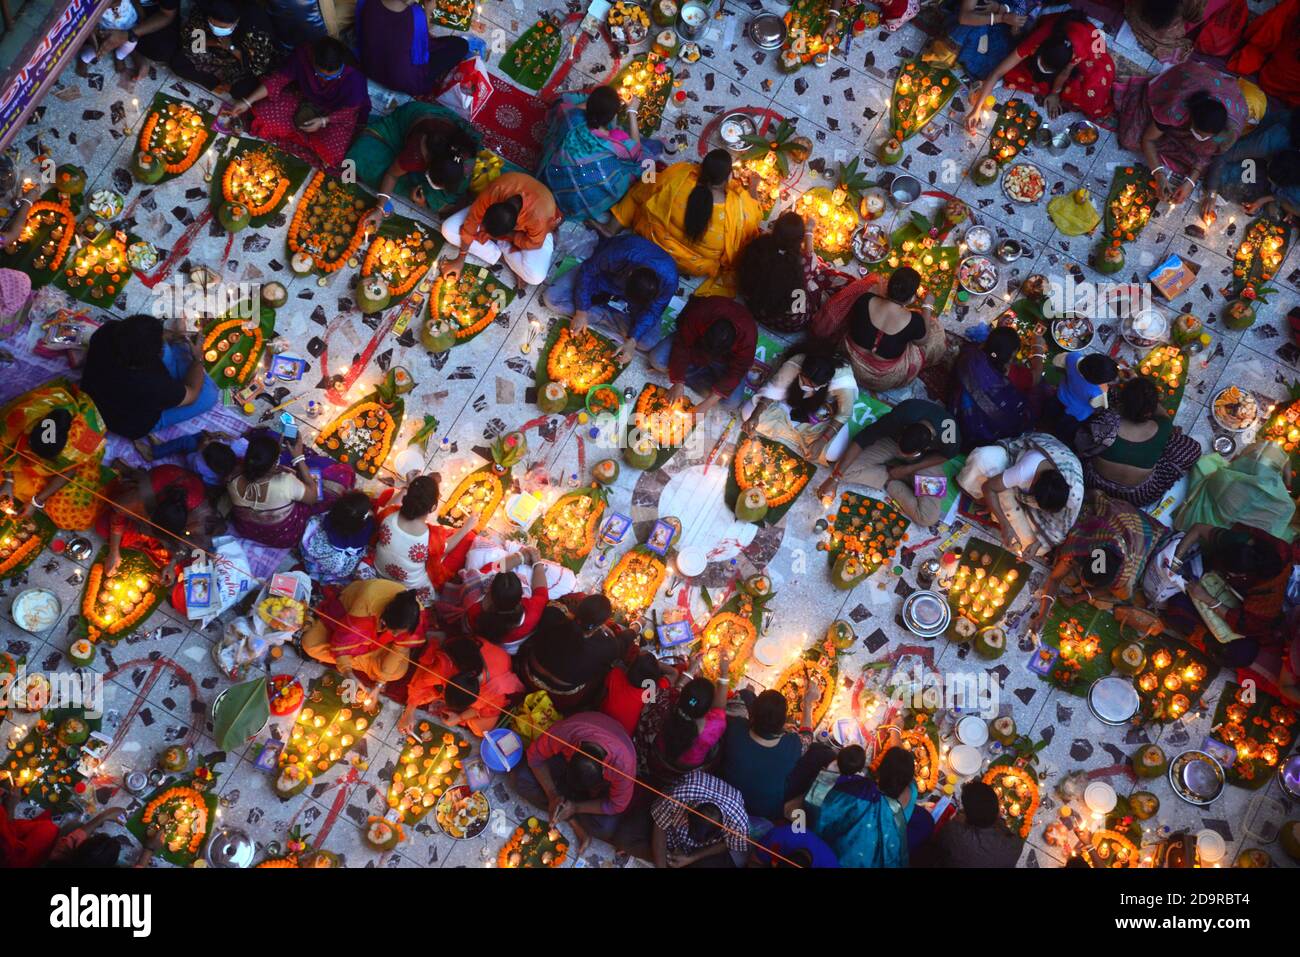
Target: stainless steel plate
1288 773
767 31
926 614
1113 700
1196 777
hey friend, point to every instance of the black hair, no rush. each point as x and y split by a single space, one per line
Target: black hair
138 340
55 424
769 275
645 667
602 106
980 803
1057 51
584 777
420 498
819 367
704 826
851 760
593 611
1284 166
500 219
715 170
402 613
506 592
97 850
719 337
788 231
465 654
461 692
1098 368
896 771
903 285
767 714
262 456
1050 491
225 11
1235 554
445 172
328 54
1160 13
1001 346
1139 399
641 287
221 458
1208 115
679 730
347 516
915 438
170 511
1104 576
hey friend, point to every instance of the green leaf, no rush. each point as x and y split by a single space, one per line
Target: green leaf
241 713
783 164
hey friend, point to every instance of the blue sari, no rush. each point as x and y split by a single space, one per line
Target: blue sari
985 403
999 40
864 827
587 170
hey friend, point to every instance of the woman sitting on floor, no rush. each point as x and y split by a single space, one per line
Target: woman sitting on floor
421 151
699 214
985 32
993 398
587 160
51 454
414 549
370 628
333 544
313 106
162 512
1135 452
875 823
806 404
887 342
396 51
682 727
780 278
225 45
271 503
1252 489
464 682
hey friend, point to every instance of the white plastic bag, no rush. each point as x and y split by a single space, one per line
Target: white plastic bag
230 578
467 88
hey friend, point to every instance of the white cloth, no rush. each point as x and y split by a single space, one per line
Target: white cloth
530 265
1021 474
400 556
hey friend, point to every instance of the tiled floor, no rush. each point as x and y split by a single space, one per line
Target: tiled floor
161 683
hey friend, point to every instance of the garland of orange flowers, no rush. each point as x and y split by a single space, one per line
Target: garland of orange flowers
277 862
217 333
580 362
531 830
667 424
771 456
635 563
295 226
20 555
61 211
991 777
466 487
560 536
474 328
186 796
374 456
413 276
196 145
729 632
228 193
96 626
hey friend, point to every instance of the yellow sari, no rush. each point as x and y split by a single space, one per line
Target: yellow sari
656 210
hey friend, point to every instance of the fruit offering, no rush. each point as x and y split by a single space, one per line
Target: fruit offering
44 768
648 78
566 533
430 763
772 468
113 607
1259 727
337 714
531 59
328 226
866 529
363 435
470 303
1166 367
812 35
175 134
21 541
578 362
400 261
1172 680
462 813
282 613
1258 258
920 92
1017 791
99 269
457 14
478 493
633 583
534 844
628 22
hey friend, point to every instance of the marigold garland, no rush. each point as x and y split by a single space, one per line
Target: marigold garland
197 819
190 136
772 467
102 622
302 217
254 167
924 753
634 582
480 312
729 632
388 257
582 361
667 424
60 213
568 529
480 490
375 418
15 555
531 846
213 353
793 683
1014 787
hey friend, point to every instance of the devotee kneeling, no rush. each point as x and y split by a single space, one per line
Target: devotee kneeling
370 628
514 220
701 823
712 351
976 837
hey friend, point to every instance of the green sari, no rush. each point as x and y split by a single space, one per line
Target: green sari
383 138
1249 490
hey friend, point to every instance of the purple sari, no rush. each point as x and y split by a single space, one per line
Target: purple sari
986 404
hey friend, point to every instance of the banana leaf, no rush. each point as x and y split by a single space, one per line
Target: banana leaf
241 713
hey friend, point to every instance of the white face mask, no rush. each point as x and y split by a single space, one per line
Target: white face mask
1201 138
1038 61
221 31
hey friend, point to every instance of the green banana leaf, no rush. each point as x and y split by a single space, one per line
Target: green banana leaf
241 714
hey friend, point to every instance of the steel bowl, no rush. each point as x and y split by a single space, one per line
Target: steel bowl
1197 777
767 31
1113 700
27 595
1083 130
747 126
979 240
1225 445
904 190
230 847
79 549
1009 250
1288 775
926 614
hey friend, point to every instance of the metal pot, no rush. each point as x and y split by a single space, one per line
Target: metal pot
691 20
904 190
767 31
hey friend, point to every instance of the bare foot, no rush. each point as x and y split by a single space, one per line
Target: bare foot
145 448
141 65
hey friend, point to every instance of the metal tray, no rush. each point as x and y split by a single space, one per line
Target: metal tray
1197 777
1113 700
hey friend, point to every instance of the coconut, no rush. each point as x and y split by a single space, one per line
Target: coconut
174 759
1144 805
553 398
302 264
840 633
291 781
963 630
1240 314
1290 838
81 653
891 151
955 212
1110 260
985 171
751 505
373 295
274 295
382 836
757 586
639 456
991 643
70 180
438 335
1128 658
1253 857
847 571
664 13
73 731
665 44
233 216
605 471
1003 729
1150 762
148 167
1186 328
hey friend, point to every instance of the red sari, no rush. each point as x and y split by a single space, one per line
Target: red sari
345 101
161 478
495 685
1089 87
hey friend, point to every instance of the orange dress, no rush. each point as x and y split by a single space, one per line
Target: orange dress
496 684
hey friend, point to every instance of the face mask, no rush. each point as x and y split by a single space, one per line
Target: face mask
220 31
1201 139
330 76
